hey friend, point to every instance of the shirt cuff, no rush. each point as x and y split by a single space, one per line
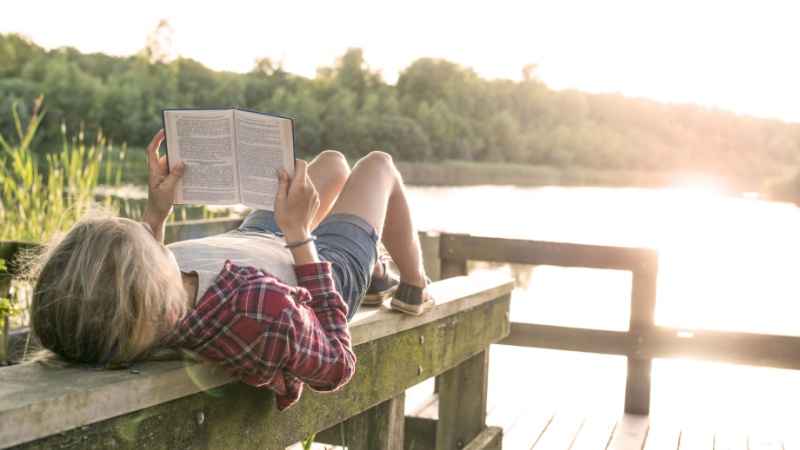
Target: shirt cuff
315 276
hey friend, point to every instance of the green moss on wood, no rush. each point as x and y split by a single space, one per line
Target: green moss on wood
237 416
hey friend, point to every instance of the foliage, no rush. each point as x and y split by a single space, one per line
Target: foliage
308 442
437 110
7 307
36 202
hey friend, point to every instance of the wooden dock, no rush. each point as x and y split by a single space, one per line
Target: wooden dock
528 425
165 406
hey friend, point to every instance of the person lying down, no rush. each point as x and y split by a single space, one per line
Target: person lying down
269 301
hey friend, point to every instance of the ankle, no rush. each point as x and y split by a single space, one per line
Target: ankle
418 280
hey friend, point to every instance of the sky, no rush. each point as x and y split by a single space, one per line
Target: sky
734 55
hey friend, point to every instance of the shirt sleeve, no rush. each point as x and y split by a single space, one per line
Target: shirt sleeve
304 333
269 334
323 355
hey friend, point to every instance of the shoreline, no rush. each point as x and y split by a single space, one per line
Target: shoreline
467 173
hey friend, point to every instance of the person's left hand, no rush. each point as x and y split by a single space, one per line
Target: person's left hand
161 182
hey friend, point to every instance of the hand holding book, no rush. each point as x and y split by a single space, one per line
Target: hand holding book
296 205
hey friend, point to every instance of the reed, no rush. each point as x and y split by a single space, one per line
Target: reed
43 196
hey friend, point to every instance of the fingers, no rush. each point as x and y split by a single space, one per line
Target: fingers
283 189
300 172
152 156
172 179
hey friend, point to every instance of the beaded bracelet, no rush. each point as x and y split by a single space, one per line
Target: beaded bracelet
296 244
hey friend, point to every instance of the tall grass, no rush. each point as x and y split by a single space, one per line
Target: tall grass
42 197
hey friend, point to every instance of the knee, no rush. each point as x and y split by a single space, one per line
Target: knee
335 164
334 158
379 160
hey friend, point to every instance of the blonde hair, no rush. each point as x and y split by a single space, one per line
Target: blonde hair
105 293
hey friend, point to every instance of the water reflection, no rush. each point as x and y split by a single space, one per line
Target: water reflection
726 263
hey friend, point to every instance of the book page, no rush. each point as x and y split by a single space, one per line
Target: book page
264 143
204 141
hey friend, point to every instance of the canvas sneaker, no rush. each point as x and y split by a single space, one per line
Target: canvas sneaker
412 300
381 287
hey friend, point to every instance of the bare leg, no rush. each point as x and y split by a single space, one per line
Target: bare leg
329 172
375 192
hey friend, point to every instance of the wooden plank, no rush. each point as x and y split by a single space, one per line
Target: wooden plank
466 247
378 428
595 433
462 402
449 268
637 387
491 438
452 296
663 436
730 440
663 342
642 322
526 429
420 433
560 433
37 402
696 438
569 338
740 348
453 268
630 433
429 242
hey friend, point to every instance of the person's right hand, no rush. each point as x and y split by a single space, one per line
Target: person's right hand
296 203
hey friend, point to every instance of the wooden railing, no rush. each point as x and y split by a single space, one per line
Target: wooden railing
185 404
644 340
169 403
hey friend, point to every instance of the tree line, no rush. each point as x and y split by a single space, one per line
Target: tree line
437 110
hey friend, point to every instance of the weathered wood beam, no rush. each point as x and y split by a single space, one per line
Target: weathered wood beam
642 323
235 415
381 427
429 241
568 338
491 438
420 433
462 402
519 251
753 349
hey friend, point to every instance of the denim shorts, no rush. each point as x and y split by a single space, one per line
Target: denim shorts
347 241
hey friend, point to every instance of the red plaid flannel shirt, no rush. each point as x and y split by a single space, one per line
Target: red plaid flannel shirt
269 334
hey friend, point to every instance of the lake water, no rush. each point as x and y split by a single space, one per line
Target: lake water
726 262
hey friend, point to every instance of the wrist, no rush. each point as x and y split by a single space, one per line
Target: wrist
296 235
153 217
305 254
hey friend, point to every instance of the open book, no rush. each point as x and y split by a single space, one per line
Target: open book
231 155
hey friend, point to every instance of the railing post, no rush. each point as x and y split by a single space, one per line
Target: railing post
462 403
430 243
449 268
378 428
642 324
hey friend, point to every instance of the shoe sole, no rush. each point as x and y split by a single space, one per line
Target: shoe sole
415 310
379 298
